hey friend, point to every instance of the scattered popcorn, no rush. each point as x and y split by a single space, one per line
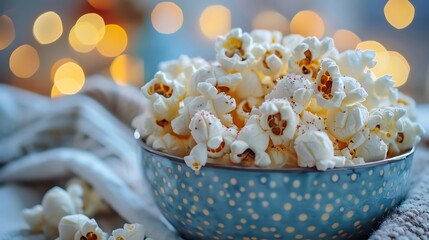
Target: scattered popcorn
92 202
295 88
129 232
79 227
233 50
315 149
307 55
278 120
273 101
34 218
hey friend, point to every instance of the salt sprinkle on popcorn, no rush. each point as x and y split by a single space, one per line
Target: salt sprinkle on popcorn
268 98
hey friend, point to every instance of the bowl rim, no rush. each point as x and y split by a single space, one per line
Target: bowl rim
181 160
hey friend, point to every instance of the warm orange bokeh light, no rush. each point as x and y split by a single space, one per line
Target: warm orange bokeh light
398 67
307 23
58 64
167 17
271 20
381 56
47 28
211 29
69 78
102 4
345 40
126 69
24 61
55 92
399 13
88 31
7 31
114 42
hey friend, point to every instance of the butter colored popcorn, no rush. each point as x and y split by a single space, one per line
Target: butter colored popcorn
78 227
272 58
250 146
266 36
165 95
212 138
381 92
409 136
297 89
291 41
243 110
408 103
329 88
216 76
278 120
129 232
307 55
92 201
211 100
315 149
344 122
309 122
354 92
251 86
233 51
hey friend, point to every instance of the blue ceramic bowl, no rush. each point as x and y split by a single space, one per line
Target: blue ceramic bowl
228 202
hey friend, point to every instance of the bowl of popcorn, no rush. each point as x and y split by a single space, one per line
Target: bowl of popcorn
279 138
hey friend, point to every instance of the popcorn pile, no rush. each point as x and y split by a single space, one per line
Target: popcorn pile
273 101
63 213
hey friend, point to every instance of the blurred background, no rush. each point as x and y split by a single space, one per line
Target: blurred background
51 47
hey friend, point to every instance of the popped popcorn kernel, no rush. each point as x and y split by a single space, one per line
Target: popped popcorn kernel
233 50
329 85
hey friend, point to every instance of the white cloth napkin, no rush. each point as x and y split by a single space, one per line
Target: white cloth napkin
54 140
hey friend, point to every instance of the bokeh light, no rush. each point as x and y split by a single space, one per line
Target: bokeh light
69 78
77 45
167 17
381 55
398 67
102 4
55 92
399 13
345 39
47 28
89 29
7 31
307 23
271 20
126 69
211 29
58 64
24 61
114 42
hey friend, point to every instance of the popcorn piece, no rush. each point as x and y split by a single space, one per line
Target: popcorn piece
355 63
266 36
174 68
271 58
292 40
250 87
78 227
386 123
307 56
242 112
408 103
316 149
233 50
34 218
165 95
219 104
129 232
217 77
213 139
373 149
282 156
309 122
344 122
380 91
249 148
329 85
295 88
92 202
354 92
278 120
410 135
